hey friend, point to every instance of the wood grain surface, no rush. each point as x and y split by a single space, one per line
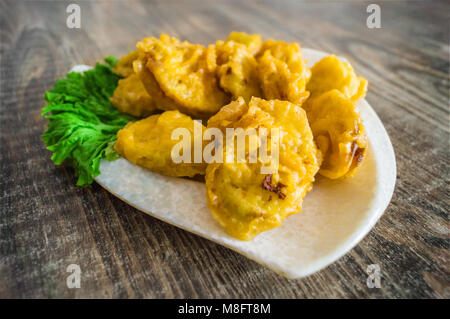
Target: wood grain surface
47 223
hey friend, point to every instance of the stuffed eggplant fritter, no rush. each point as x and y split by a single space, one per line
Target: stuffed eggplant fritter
131 97
338 132
124 66
282 71
236 69
243 198
148 143
331 73
182 73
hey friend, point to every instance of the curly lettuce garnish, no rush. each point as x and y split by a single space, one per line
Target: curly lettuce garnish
82 121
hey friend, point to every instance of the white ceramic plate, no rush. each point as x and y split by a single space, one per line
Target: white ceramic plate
336 215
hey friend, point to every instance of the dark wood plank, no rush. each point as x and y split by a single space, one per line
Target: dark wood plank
47 223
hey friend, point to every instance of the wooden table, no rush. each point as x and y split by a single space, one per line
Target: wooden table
47 223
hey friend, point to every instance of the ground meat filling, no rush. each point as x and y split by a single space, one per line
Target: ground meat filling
267 184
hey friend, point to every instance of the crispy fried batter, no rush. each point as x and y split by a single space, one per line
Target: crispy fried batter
131 97
124 67
239 196
332 73
283 72
162 102
253 42
148 143
339 133
237 70
181 71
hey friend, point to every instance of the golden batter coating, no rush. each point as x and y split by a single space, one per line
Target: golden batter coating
237 69
253 42
162 102
282 71
148 143
243 199
332 73
338 132
124 67
131 97
181 70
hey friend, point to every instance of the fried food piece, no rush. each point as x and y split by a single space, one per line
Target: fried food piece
283 72
162 102
181 70
124 67
241 198
332 73
131 97
148 143
339 133
237 69
253 42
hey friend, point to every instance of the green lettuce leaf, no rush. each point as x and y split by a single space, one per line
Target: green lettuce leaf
82 121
